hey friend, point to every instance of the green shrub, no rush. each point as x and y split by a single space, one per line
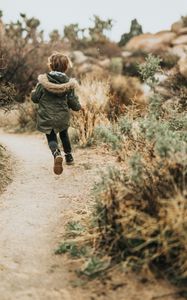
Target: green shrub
107 136
116 65
149 69
141 207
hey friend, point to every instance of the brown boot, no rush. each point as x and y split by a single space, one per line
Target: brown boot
58 168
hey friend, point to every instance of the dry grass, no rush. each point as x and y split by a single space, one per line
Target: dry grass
144 222
7 96
27 115
5 168
141 206
124 91
94 95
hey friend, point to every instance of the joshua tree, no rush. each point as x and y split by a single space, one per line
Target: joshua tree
97 32
135 29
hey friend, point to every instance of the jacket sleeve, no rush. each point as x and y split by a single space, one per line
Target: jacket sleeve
73 101
37 93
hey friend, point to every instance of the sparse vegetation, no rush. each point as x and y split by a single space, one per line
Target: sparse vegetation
140 214
141 210
94 93
27 117
141 207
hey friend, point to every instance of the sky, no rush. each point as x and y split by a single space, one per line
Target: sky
153 15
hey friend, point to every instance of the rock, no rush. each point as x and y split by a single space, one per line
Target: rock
182 63
88 67
92 52
151 42
177 26
180 40
161 77
126 54
183 30
85 68
179 50
79 57
105 63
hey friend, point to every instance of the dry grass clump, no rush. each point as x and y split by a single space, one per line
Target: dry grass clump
94 95
5 168
142 211
7 96
124 91
177 86
144 221
27 116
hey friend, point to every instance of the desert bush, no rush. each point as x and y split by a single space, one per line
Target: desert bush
116 65
108 48
27 115
148 70
168 60
94 95
124 91
7 96
142 216
141 205
24 54
19 48
176 84
107 135
131 63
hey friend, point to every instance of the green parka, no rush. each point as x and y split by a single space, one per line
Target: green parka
55 96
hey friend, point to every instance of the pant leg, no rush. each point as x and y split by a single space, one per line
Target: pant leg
65 141
52 141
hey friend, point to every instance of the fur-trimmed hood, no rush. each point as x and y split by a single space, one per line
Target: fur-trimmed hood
57 88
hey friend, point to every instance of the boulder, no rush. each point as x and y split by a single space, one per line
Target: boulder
183 67
177 26
151 42
79 57
179 50
182 39
104 63
88 67
183 30
85 68
126 54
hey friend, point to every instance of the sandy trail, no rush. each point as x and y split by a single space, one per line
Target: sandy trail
30 210
33 210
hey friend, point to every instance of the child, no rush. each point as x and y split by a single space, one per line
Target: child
55 96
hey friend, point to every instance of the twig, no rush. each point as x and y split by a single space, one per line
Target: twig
165 295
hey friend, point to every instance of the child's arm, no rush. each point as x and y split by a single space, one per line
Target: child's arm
36 94
73 101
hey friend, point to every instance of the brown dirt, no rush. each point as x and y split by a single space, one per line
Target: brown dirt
34 209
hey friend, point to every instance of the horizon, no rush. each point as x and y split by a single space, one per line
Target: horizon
51 17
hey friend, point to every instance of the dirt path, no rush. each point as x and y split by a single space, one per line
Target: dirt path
30 210
33 210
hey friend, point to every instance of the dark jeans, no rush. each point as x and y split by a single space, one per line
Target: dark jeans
53 142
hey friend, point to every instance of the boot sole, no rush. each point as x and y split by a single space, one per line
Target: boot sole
58 169
70 163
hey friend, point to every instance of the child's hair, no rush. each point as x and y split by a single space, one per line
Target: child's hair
59 62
